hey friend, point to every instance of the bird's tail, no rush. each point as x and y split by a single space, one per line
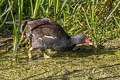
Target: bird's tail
22 27
16 22
11 22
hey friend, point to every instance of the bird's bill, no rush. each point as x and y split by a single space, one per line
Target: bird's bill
88 42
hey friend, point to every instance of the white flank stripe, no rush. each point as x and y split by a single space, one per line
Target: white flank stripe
50 37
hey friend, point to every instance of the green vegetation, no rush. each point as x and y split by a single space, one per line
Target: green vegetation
99 19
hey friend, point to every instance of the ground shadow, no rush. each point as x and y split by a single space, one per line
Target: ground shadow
84 51
110 66
110 77
54 76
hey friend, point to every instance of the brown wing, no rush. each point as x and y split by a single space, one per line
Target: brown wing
46 26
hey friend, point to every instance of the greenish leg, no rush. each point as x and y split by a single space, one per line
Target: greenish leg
40 53
48 53
25 41
29 53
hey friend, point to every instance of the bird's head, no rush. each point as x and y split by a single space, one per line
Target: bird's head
80 39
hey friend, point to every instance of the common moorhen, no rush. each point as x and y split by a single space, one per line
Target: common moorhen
46 34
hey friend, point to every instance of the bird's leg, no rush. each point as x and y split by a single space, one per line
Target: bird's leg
25 41
29 53
40 53
48 53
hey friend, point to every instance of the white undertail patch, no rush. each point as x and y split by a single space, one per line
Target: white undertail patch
30 22
33 35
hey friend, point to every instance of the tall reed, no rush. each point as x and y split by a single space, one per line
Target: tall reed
16 29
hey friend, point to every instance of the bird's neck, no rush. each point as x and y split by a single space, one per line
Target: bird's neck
73 40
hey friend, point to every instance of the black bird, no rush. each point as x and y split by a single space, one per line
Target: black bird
46 34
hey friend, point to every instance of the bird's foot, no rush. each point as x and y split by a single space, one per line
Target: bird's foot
30 59
46 56
29 53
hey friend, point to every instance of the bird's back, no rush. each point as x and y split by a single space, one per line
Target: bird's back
45 33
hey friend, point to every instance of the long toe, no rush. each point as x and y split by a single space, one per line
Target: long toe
29 53
46 56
